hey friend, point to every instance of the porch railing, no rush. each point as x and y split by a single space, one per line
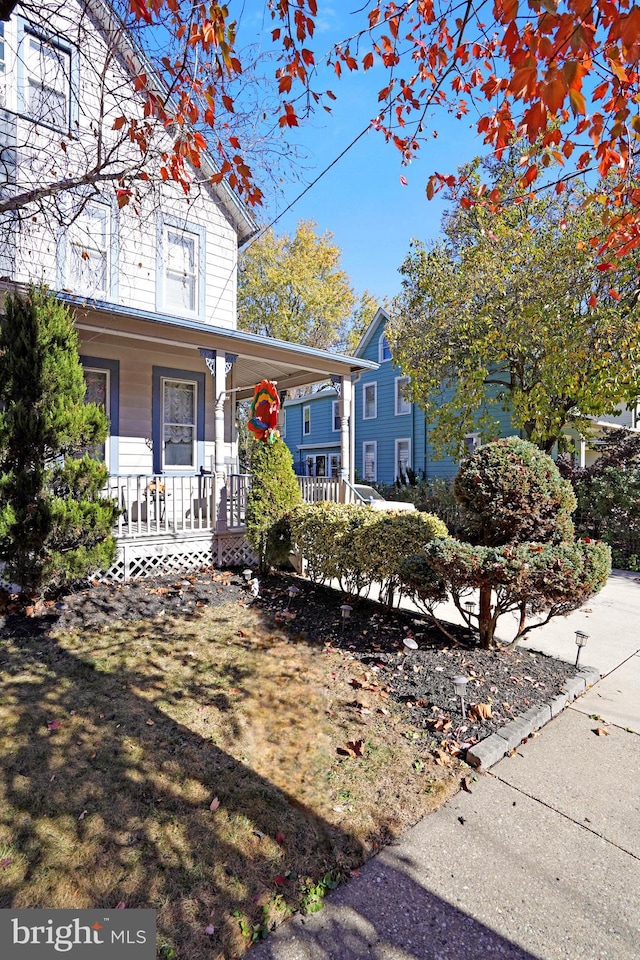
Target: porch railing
316 489
160 503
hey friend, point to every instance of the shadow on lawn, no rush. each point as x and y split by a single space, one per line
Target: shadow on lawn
107 799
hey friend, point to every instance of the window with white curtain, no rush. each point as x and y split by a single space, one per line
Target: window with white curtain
179 411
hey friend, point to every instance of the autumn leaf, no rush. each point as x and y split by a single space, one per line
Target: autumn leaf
352 748
215 803
601 732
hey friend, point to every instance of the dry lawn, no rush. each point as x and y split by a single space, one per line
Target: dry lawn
206 767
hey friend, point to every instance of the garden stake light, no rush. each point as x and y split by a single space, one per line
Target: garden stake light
410 643
581 641
460 685
293 592
247 574
470 607
345 610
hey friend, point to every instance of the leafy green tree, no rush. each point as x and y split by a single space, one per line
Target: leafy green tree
509 310
293 288
54 525
522 557
361 319
274 492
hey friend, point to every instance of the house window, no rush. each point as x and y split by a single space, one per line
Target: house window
102 378
306 421
179 399
181 273
370 401
384 352
181 267
97 392
88 251
321 465
336 416
178 420
370 461
403 459
403 405
47 80
334 464
471 443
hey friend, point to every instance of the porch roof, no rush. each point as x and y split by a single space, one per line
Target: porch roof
288 364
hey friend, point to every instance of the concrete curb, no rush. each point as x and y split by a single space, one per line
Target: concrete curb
493 748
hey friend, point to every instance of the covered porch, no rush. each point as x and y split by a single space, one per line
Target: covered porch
171 389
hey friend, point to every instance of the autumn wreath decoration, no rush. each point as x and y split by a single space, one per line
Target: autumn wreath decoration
263 416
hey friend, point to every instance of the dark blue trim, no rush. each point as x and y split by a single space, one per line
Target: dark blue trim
113 366
189 375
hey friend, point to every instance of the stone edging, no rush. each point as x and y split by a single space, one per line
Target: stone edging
496 746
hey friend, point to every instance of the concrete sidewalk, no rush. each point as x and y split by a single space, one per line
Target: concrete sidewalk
542 860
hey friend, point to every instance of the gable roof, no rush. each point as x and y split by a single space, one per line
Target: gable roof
380 320
133 57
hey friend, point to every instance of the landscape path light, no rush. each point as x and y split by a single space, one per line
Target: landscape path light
293 592
460 686
345 610
470 607
581 641
247 574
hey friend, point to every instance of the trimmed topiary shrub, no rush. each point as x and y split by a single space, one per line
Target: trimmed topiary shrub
358 546
274 492
520 561
510 491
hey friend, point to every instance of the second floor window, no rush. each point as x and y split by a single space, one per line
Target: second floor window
403 405
384 351
181 270
370 401
306 421
88 251
335 407
47 81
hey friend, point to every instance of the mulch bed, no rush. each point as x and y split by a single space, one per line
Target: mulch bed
502 684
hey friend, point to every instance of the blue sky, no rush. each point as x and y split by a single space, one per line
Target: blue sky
362 200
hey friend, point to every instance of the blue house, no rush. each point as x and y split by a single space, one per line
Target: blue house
391 435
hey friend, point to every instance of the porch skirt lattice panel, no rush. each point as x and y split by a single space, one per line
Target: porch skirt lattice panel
161 557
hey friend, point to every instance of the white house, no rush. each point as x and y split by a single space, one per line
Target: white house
152 283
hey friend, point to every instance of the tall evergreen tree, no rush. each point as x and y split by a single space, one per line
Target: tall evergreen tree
54 525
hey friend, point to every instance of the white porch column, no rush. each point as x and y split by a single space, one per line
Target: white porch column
343 386
219 365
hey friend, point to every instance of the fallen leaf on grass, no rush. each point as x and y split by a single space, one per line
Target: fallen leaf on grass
353 748
279 838
601 732
213 806
53 724
121 906
210 930
477 712
151 723
6 862
280 881
83 815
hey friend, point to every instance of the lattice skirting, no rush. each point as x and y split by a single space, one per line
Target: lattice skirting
159 556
